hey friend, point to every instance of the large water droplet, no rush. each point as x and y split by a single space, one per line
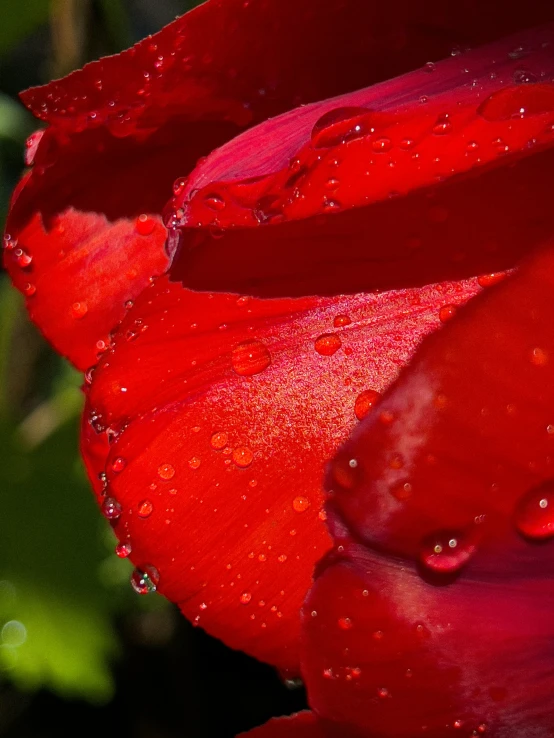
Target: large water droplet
364 402
250 357
446 551
219 440
443 125
300 503
340 125
123 549
166 471
242 456
111 509
145 580
145 508
144 224
534 515
518 102
327 344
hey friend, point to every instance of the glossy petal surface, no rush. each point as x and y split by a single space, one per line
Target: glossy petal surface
423 178
230 407
441 506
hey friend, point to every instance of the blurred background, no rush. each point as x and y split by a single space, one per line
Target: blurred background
79 650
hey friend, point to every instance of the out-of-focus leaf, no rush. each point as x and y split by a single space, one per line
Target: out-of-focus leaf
55 613
17 19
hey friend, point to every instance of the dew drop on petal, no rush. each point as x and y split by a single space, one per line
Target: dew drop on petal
341 320
382 145
166 471
242 456
538 356
340 125
118 464
245 598
144 224
364 402
327 344
250 357
446 551
300 503
145 580
29 289
518 102
534 515
443 125
79 310
487 280
218 440
111 509
194 462
344 623
446 312
123 549
145 508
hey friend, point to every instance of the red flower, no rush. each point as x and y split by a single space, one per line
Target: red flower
306 260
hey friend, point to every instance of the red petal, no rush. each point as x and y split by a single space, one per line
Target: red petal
300 725
125 127
409 192
230 407
449 482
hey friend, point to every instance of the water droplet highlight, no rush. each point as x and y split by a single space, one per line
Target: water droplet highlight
145 580
327 344
249 358
534 515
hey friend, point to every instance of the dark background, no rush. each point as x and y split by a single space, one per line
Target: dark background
80 652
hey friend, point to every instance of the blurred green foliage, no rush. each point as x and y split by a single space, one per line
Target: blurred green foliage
61 585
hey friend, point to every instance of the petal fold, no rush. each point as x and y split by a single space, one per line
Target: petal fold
441 509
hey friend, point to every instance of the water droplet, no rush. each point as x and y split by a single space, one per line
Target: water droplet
344 623
300 504
144 224
446 551
123 549
446 312
79 310
518 102
327 344
539 357
194 462
145 580
430 67
118 464
29 289
242 456
524 77
166 471
401 491
340 125
364 402
250 357
179 185
23 259
443 125
341 320
245 598
383 693
219 440
382 145
111 509
214 201
534 516
145 509
487 280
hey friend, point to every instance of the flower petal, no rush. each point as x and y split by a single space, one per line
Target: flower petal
221 412
300 725
408 191
447 491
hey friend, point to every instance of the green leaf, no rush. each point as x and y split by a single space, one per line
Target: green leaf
55 612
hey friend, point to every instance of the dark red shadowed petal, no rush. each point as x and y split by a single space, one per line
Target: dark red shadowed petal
447 488
300 725
428 176
222 411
